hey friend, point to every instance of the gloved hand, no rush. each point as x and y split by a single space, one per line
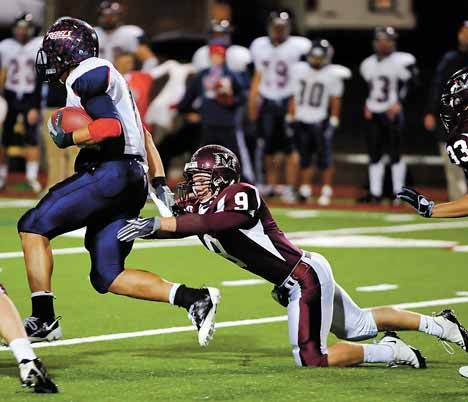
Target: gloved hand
61 138
419 202
139 227
164 194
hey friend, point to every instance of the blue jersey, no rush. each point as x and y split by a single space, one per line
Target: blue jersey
97 87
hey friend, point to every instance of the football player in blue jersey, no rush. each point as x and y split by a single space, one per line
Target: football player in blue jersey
109 186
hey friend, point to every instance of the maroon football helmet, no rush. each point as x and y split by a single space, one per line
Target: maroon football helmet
218 165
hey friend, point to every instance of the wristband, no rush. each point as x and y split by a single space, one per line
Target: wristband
159 181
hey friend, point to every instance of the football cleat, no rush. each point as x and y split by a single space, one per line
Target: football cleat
33 374
35 185
403 354
452 330
203 315
38 330
369 199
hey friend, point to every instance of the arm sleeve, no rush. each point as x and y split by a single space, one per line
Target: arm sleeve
337 87
194 224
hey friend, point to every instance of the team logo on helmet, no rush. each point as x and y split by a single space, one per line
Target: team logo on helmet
225 160
59 35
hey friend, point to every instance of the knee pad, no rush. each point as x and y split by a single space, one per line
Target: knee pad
101 277
98 282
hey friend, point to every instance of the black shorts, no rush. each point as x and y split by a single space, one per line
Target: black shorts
19 106
314 144
272 131
384 136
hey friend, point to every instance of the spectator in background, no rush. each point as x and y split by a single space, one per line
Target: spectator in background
22 91
221 94
451 62
238 59
385 71
60 162
139 82
115 38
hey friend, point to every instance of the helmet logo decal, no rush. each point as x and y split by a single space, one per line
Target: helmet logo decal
224 160
59 35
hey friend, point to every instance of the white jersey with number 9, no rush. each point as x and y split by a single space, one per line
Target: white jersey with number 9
274 64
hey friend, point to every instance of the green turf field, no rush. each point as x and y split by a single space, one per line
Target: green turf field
254 362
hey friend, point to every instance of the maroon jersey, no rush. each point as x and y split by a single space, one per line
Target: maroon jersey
258 246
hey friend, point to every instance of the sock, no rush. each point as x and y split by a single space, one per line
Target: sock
398 176
429 326
3 171
22 349
173 291
305 190
376 176
377 353
32 169
185 297
43 306
327 191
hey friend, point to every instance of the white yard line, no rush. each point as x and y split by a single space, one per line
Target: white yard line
382 287
225 324
244 282
17 203
303 238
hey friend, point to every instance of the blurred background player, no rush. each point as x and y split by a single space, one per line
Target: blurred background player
221 94
115 38
451 62
315 110
384 71
238 60
271 88
22 91
32 371
60 162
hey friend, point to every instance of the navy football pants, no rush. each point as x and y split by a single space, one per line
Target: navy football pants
100 199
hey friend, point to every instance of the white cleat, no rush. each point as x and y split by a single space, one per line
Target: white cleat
452 330
35 185
403 354
203 315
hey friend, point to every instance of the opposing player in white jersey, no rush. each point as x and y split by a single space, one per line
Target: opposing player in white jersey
384 72
271 88
232 220
115 38
315 110
22 93
110 186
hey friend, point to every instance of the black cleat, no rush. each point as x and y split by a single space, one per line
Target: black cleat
33 374
38 330
370 199
203 315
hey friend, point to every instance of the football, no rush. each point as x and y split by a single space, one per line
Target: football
73 118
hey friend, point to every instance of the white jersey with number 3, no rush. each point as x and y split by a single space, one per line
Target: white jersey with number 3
124 39
274 63
383 76
313 88
20 62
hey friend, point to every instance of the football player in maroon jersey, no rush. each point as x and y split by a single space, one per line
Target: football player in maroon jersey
454 116
231 219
